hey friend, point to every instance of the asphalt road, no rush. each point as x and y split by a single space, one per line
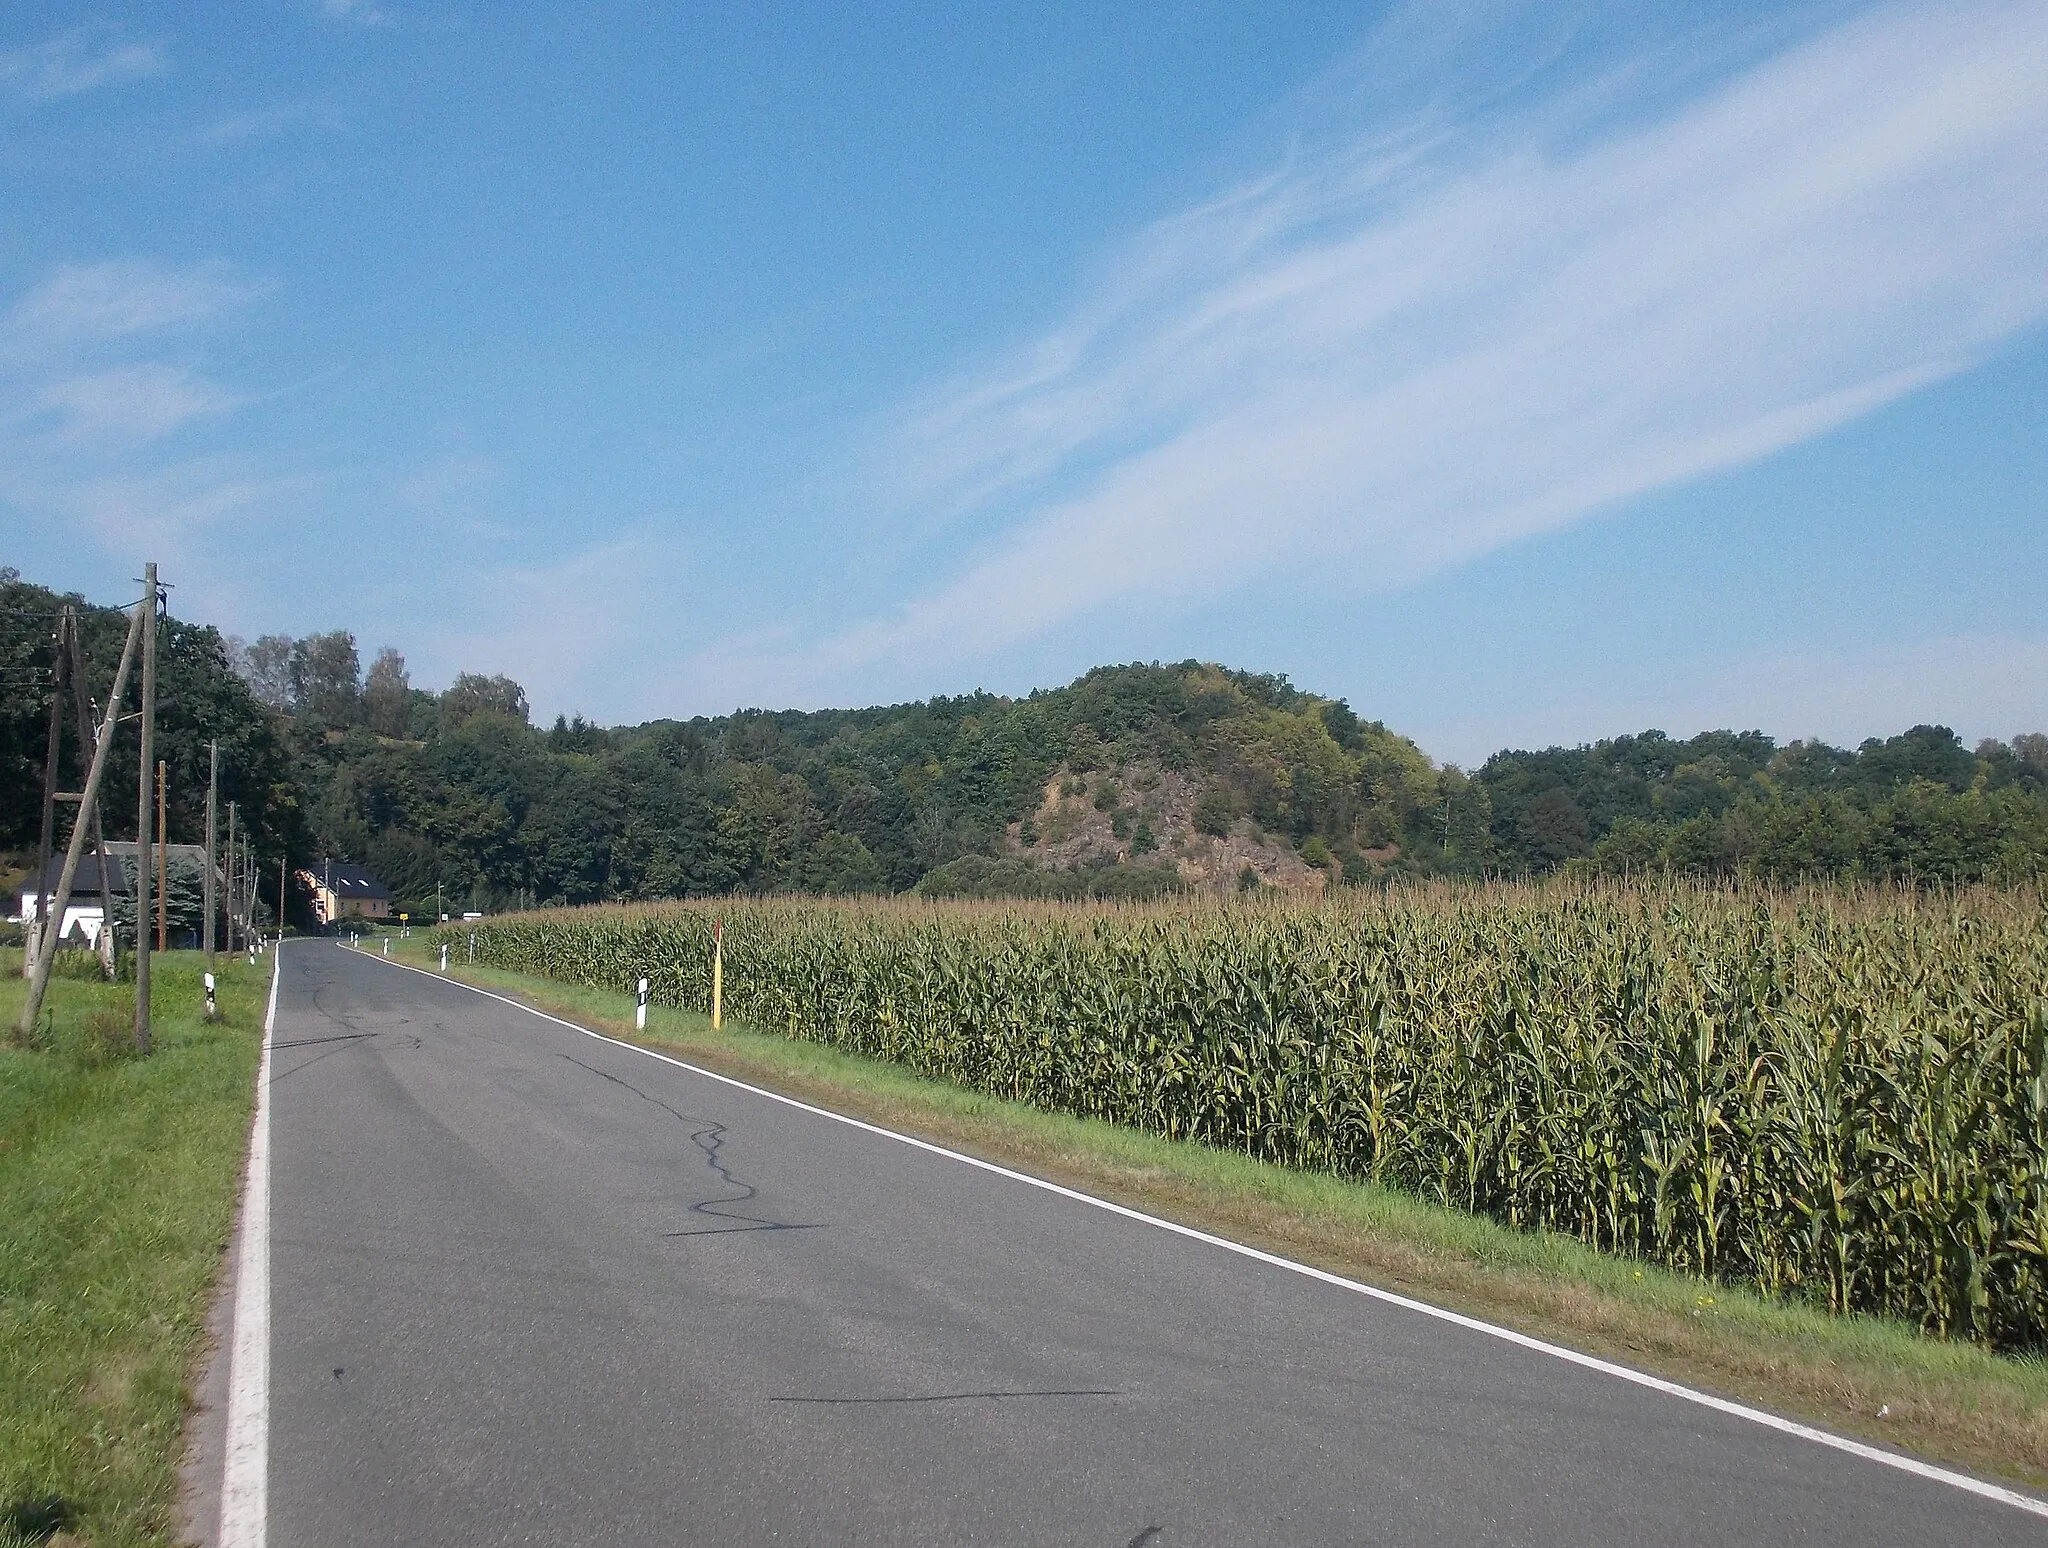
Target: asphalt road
532 1287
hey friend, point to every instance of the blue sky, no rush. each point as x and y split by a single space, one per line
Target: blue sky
1522 374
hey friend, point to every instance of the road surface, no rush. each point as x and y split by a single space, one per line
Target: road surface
529 1286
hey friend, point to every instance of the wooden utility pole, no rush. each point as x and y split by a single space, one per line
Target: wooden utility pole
163 862
88 751
280 897
52 746
32 1004
212 844
229 889
145 808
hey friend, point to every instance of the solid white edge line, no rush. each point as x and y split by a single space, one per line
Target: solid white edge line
245 1477
1891 1459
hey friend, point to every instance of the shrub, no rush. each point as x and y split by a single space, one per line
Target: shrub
1215 811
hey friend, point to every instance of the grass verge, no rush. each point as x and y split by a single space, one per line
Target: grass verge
1951 1402
118 1179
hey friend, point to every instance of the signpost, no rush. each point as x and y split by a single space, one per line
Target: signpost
717 974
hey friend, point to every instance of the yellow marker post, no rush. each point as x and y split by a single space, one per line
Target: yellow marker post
717 974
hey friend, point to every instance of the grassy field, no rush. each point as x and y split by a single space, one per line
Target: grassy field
1948 1400
118 1181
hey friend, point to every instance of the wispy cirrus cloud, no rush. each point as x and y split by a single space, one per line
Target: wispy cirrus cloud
251 125
127 404
1425 339
363 13
96 384
82 304
75 62
560 627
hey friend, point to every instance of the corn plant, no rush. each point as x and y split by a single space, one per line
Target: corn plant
1832 1095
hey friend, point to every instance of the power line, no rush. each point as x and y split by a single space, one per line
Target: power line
58 611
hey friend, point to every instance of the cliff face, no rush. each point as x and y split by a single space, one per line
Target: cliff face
1143 814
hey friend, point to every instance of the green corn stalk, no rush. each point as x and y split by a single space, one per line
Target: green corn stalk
1835 1095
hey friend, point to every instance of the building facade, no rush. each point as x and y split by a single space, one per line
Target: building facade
342 891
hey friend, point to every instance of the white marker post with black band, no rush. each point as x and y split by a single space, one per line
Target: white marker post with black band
640 1009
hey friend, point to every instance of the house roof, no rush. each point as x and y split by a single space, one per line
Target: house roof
350 881
86 882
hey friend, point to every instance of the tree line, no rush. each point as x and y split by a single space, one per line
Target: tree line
457 790
1916 807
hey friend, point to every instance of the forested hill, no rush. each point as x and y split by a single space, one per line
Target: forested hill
1131 780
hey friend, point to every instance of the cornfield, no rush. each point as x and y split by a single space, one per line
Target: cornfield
1834 1096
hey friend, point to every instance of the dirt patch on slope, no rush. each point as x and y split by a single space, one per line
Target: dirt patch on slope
1144 814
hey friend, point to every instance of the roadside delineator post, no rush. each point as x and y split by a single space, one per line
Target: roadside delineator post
640 1010
212 1008
444 956
387 945
717 974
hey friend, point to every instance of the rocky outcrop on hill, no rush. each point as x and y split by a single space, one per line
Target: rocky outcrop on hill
1142 813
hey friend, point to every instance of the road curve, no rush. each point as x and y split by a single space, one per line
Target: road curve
530 1286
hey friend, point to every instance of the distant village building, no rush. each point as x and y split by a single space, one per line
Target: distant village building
343 891
86 913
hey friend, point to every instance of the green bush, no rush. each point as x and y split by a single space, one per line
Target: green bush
1215 811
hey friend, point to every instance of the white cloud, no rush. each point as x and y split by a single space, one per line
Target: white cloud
75 62
162 509
252 124
130 403
558 627
86 303
90 412
450 489
364 13
1414 346
1976 684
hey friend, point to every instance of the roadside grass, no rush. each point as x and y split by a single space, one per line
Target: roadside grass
118 1181
1949 1401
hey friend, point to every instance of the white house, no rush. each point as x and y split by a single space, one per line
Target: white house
86 913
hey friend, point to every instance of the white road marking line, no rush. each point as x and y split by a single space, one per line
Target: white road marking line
245 1482
1855 1448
